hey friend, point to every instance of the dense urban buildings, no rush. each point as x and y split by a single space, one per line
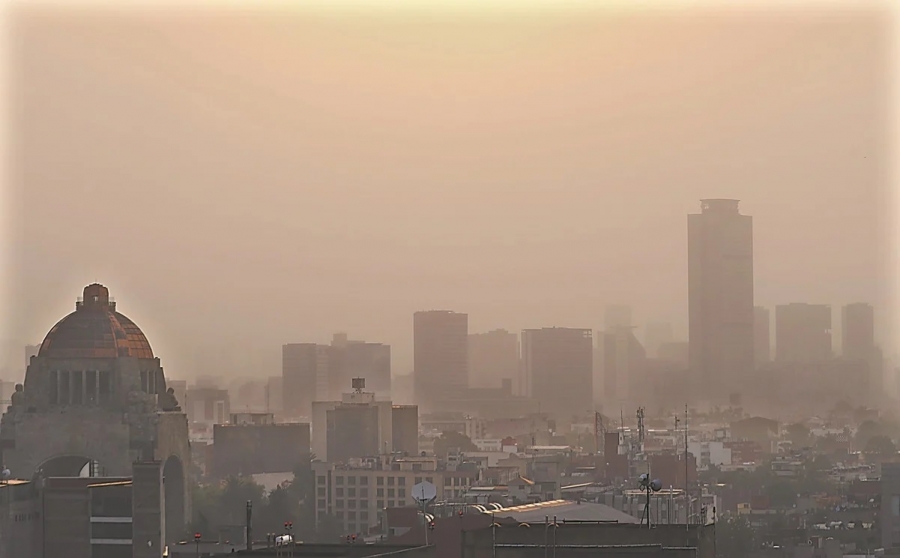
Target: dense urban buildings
657 334
440 356
803 332
622 361
720 298
559 369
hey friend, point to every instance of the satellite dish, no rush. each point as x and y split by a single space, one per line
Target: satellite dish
656 485
6 473
424 492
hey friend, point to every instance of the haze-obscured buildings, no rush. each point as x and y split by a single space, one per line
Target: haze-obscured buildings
762 336
559 369
493 358
720 298
803 332
440 356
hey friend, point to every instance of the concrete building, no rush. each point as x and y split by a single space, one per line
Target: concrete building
405 429
762 336
95 403
493 358
357 426
83 517
803 332
559 369
720 298
253 443
890 505
304 373
440 356
274 399
357 493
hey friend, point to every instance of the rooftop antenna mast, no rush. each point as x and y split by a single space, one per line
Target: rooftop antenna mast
640 421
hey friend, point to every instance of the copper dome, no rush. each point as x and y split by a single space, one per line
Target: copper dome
95 330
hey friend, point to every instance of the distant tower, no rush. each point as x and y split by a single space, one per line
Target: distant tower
720 298
440 356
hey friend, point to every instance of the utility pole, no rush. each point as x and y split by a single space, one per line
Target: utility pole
687 494
249 526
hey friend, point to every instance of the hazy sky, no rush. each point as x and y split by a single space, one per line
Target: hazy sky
243 181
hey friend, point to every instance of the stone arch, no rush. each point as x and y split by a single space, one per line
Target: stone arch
69 465
174 487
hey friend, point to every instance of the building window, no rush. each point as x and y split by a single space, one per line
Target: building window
351 492
351 504
65 388
104 387
321 479
339 492
339 480
379 481
340 504
90 387
429 479
380 504
418 480
351 481
391 493
390 481
379 492
401 493
401 481
321 491
364 504
364 481
363 492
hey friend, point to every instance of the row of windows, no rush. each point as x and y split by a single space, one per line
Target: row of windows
79 387
340 480
364 492
30 516
379 504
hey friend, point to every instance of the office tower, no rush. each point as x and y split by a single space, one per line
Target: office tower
405 429
493 357
440 356
623 360
720 298
858 343
616 316
761 336
350 359
304 373
559 369
802 332
655 335
857 330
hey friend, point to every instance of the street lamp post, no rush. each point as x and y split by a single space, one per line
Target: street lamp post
289 527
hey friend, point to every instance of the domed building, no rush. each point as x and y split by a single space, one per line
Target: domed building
94 403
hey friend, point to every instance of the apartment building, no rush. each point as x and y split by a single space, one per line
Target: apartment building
356 493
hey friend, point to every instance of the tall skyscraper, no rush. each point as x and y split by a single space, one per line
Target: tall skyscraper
720 298
493 357
440 356
617 316
858 343
559 369
803 332
761 335
304 373
857 330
